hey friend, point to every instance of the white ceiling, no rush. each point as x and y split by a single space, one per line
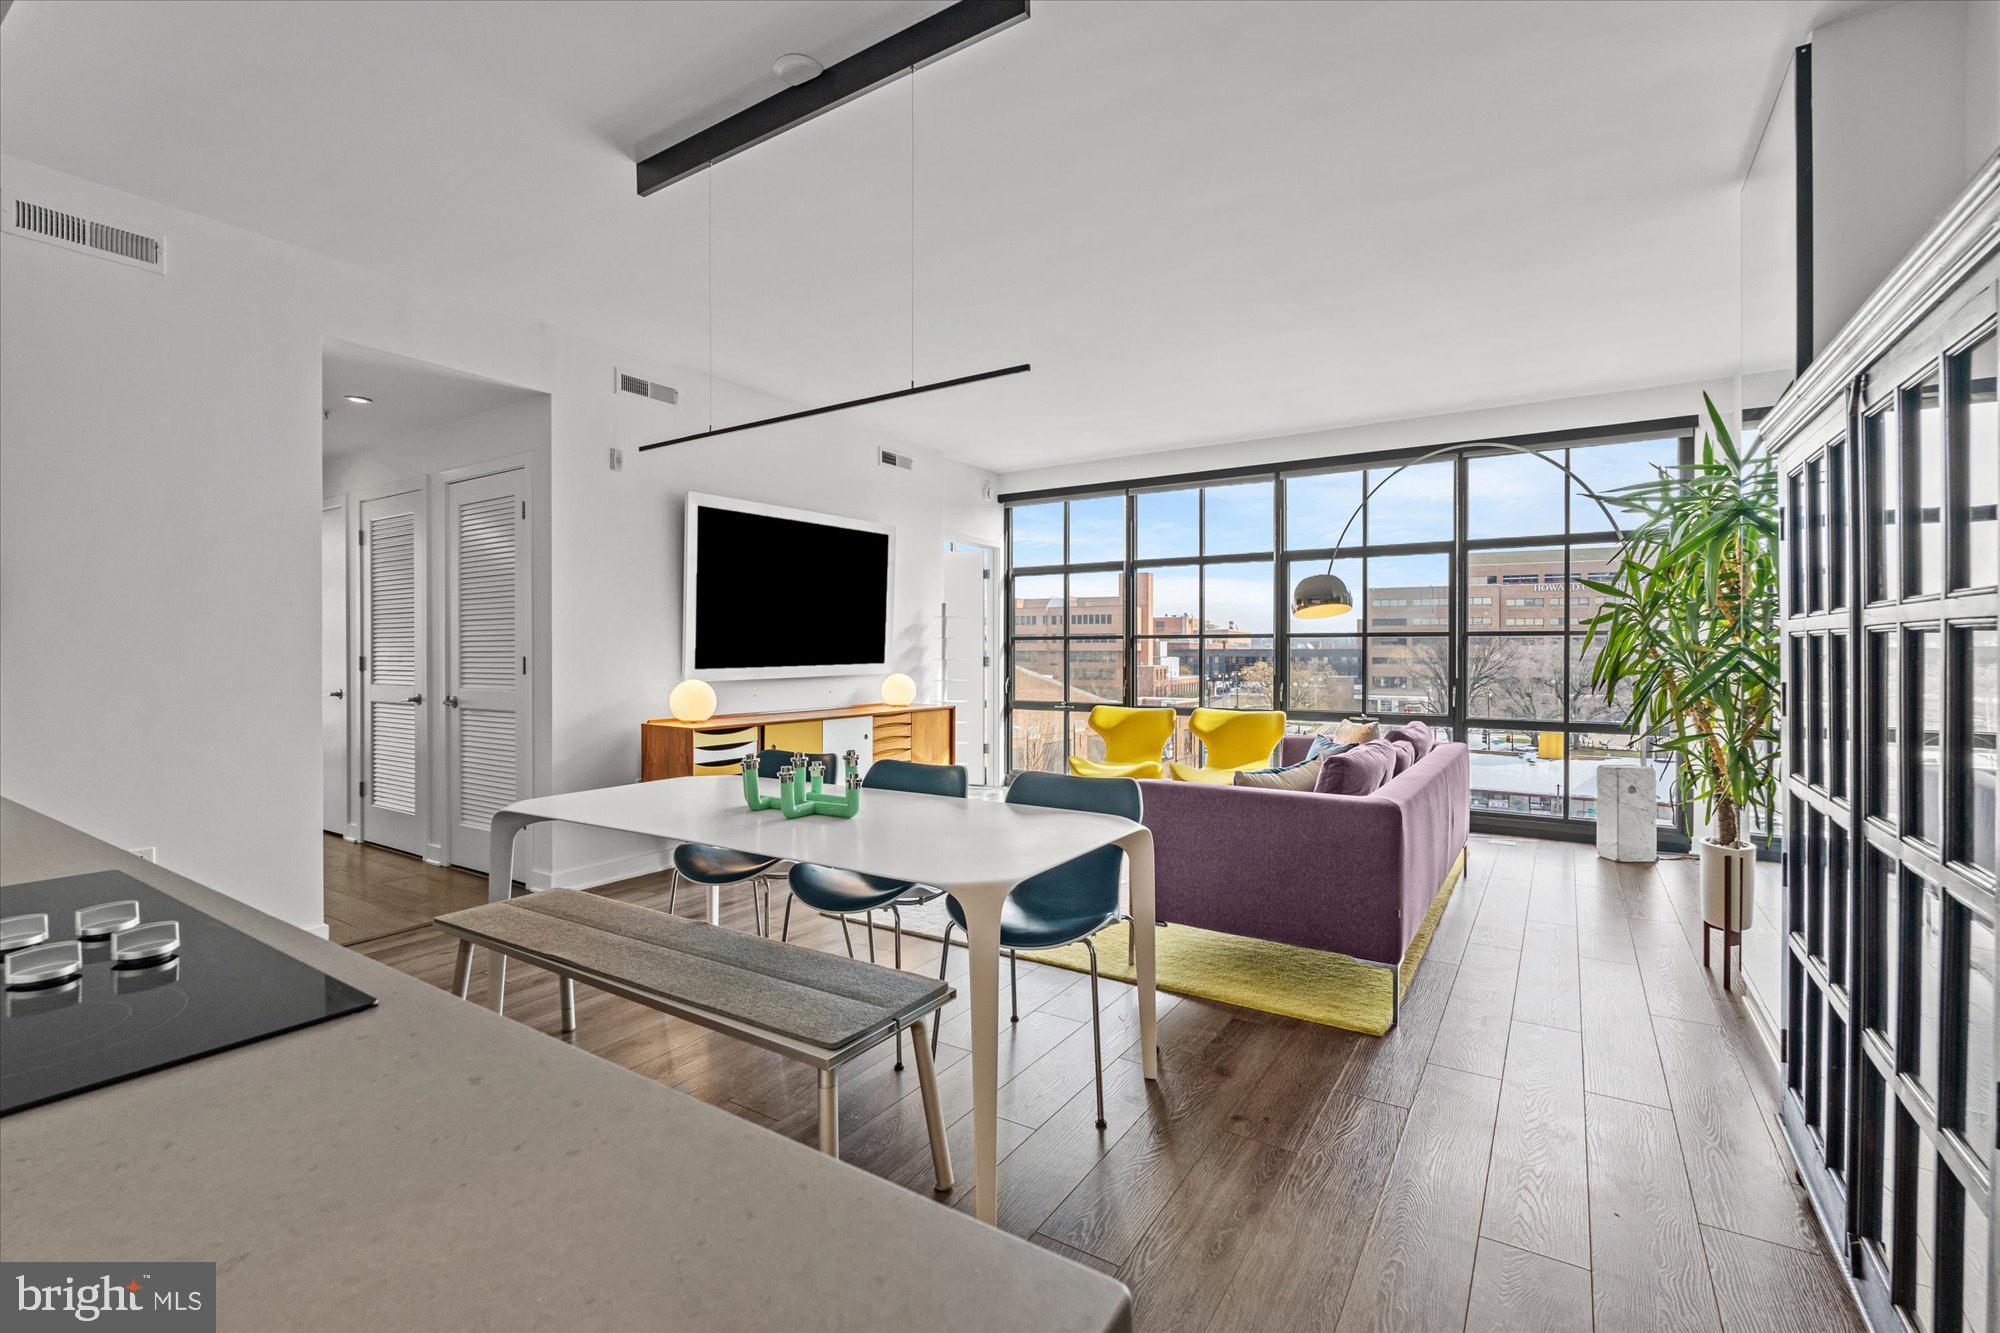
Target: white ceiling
410 396
1200 221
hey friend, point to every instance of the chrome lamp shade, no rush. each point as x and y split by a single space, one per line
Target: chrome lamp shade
1319 596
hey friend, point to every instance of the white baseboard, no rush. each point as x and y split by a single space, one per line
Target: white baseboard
319 930
600 872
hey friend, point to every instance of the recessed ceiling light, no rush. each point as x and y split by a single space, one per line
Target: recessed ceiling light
794 69
357 398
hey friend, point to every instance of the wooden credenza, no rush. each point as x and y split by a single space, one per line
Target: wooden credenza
671 748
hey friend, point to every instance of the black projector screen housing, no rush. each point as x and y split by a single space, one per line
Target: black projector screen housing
783 595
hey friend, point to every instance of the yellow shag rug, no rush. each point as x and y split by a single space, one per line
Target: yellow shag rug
1257 974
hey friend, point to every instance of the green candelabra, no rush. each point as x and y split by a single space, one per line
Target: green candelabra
802 789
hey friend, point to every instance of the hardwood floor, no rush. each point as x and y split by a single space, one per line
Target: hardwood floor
1572 1127
372 892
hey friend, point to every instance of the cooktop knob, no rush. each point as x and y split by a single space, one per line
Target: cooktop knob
43 965
23 932
153 942
106 919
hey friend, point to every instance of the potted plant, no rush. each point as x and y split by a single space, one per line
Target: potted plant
1689 628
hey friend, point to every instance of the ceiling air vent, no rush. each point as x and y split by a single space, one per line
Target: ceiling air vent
887 459
645 388
73 231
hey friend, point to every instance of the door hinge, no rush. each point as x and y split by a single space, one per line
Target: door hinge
361 537
524 666
364 789
364 662
524 509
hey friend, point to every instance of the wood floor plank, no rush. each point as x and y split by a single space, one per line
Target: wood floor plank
1503 910
1280 1103
1301 1261
1552 899
1538 1187
1416 1269
1472 1035
1183 1265
1676 985
1114 1205
1546 991
1619 1056
1389 1068
1513 1290
1067 1147
1648 1270
1777 1288
1739 1180
1602 931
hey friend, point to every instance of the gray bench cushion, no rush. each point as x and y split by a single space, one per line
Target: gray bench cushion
808 996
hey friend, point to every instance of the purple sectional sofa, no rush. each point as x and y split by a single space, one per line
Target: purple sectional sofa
1352 875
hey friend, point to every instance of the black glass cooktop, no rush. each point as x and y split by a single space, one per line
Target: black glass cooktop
109 1023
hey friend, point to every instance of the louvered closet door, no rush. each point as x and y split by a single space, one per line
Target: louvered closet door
394 749
486 646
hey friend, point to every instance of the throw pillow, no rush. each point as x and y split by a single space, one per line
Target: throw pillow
1324 744
1302 776
1355 733
1357 772
1405 755
1418 734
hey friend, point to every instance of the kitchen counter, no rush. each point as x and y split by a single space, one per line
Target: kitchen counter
429 1164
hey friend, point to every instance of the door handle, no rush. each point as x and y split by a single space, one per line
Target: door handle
338 694
451 701
414 699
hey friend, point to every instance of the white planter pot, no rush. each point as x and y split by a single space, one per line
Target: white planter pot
1728 885
1728 896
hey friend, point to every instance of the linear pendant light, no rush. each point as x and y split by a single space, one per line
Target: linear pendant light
899 55
838 407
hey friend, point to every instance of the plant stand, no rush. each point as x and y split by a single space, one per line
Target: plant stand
1728 897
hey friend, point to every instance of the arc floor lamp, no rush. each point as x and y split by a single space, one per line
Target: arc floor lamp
1318 596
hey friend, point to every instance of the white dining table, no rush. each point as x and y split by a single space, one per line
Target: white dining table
977 851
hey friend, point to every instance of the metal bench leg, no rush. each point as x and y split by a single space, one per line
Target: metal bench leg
461 971
496 980
673 891
829 1112
568 987
1096 1034
933 1117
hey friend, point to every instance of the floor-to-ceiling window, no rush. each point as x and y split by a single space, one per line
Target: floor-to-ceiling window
1470 607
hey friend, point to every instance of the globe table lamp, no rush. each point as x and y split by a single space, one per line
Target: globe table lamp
899 691
693 701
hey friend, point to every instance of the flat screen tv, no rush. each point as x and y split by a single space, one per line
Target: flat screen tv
783 592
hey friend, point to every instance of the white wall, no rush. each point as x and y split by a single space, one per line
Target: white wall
160 486
1905 106
515 428
1593 410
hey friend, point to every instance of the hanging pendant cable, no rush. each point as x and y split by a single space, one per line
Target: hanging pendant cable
710 173
913 226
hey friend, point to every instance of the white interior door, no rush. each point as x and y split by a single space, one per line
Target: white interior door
486 665
968 650
394 745
333 666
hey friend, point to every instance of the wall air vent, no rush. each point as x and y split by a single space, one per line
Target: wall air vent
887 459
73 231
645 388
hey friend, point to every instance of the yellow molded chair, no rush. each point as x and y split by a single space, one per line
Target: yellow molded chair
1133 741
1235 739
